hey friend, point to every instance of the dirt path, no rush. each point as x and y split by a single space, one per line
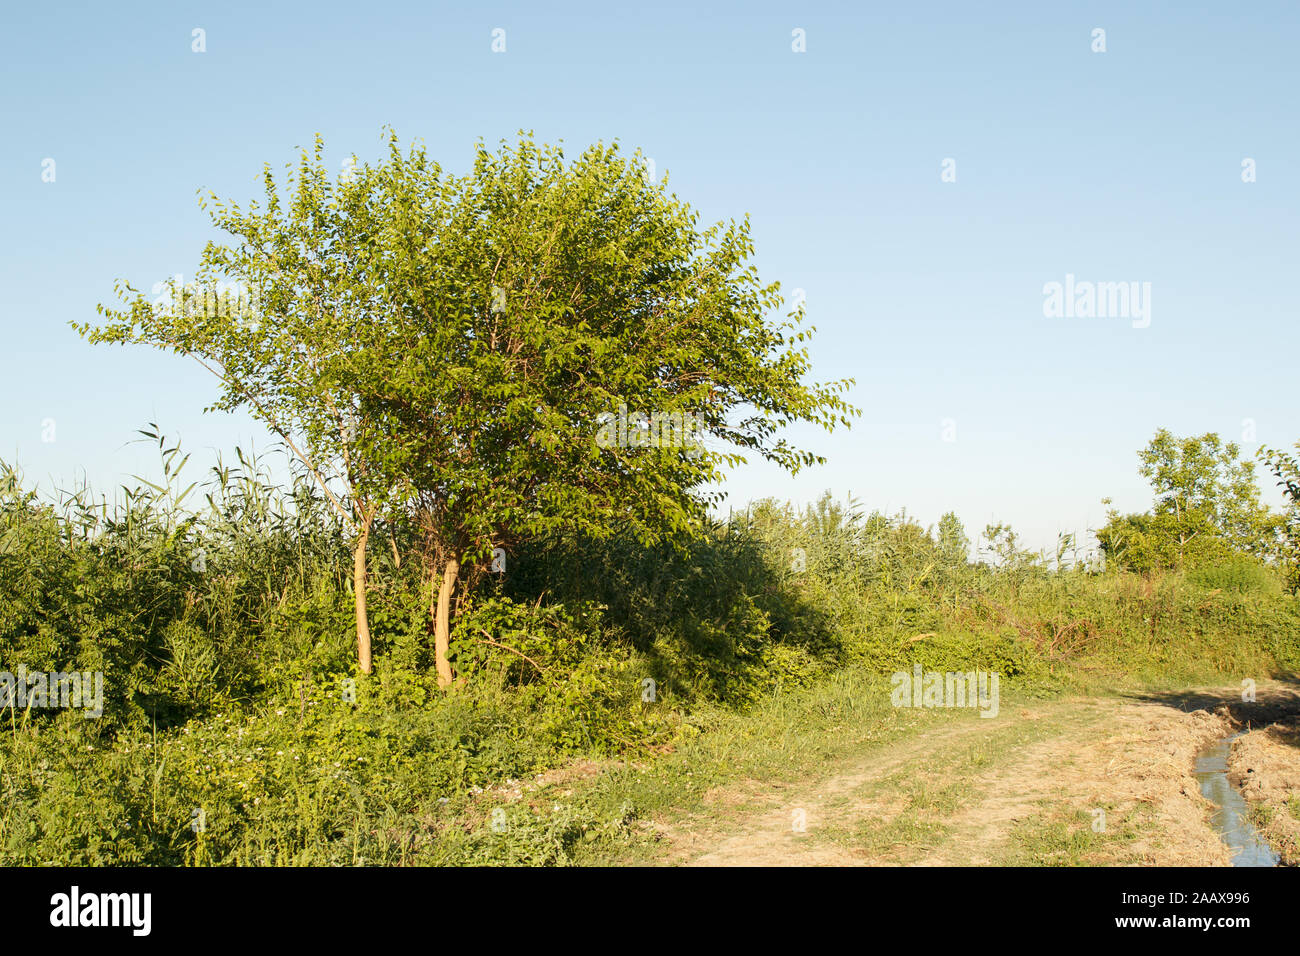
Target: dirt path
1097 781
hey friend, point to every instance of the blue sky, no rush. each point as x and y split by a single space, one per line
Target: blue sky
1116 166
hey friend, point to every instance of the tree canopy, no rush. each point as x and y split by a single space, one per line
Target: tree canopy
539 346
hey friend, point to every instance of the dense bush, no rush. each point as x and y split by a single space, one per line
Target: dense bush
1237 573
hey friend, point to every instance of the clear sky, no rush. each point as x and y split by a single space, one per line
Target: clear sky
1115 166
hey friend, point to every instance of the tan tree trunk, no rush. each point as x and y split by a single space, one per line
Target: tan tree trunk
442 623
359 593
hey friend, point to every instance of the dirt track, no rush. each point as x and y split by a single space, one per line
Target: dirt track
1096 781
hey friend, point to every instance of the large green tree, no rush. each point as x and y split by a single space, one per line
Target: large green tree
539 346
564 350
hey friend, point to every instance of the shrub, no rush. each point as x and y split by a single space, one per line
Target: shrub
1240 573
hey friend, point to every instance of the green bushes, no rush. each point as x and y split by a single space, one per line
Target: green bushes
704 616
1237 573
311 780
237 730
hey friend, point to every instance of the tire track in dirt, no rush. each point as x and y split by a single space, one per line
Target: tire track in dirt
765 836
975 792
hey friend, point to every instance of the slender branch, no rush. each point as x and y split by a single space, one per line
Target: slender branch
488 640
283 433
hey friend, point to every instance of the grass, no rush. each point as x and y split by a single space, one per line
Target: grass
1281 836
782 739
1069 839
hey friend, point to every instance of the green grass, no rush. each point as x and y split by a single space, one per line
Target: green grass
1070 840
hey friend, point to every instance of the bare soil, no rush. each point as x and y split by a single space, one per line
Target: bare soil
1082 781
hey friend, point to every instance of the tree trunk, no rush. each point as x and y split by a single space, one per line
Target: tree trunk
359 593
442 623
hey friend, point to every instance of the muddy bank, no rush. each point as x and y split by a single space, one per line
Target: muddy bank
1149 776
1263 761
1264 765
1232 818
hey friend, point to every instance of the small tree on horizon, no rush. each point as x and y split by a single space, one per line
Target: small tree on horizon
1285 467
1207 506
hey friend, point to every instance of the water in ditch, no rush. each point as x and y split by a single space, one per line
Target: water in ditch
1230 818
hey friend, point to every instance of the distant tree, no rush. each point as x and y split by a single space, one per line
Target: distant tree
1285 467
1207 506
1004 545
954 545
